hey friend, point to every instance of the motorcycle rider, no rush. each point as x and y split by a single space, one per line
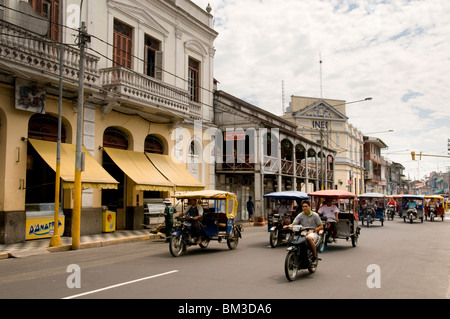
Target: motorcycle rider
412 204
330 211
370 207
195 211
392 203
309 219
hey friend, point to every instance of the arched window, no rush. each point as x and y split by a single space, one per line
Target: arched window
45 127
115 138
153 145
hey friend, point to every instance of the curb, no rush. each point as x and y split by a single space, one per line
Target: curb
87 245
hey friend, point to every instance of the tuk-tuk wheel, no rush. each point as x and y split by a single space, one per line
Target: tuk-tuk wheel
177 246
232 241
204 243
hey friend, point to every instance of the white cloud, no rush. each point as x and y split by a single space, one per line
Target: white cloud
393 51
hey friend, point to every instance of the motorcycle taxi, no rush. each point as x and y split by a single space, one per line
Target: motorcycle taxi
347 226
391 209
217 222
299 254
276 222
434 207
372 208
412 214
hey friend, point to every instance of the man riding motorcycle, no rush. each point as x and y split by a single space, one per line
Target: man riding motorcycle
412 207
195 211
309 219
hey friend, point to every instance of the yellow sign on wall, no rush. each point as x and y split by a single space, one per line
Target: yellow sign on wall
43 227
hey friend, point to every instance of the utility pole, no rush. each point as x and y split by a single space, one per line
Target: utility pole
76 219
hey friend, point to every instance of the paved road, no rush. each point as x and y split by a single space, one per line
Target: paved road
413 261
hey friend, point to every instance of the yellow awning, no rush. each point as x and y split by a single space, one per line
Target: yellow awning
137 167
175 172
94 175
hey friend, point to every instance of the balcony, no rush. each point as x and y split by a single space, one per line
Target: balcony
149 91
35 55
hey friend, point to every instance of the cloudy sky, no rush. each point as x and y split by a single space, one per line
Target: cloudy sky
395 51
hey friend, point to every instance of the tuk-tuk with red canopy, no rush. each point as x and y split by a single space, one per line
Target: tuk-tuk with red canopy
347 203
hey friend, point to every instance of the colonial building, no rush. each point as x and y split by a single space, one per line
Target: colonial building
148 79
324 121
373 165
258 152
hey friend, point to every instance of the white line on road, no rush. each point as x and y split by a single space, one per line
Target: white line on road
122 284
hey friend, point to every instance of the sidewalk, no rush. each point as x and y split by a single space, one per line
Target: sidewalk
41 246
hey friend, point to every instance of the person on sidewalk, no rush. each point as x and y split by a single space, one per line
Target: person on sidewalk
250 208
169 210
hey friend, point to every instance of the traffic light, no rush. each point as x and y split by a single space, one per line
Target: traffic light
413 155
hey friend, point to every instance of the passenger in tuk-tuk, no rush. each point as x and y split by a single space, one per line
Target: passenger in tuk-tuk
284 210
331 212
195 211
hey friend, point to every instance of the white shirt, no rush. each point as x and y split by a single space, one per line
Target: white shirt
329 212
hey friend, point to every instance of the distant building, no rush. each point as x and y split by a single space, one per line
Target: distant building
324 121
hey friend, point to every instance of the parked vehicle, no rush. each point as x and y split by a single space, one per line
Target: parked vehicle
372 208
299 254
435 210
276 222
347 203
412 214
217 223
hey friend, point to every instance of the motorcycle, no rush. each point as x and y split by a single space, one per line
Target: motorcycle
390 212
411 215
299 254
182 237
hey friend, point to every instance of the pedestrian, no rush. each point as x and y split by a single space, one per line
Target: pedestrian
169 210
250 208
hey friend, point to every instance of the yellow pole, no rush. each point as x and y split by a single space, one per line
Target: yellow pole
76 218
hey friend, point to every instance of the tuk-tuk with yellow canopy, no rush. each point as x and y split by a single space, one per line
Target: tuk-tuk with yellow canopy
434 207
216 222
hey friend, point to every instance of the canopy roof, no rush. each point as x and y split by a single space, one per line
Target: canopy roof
287 195
334 193
377 195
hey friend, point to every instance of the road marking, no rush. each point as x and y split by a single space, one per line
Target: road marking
122 284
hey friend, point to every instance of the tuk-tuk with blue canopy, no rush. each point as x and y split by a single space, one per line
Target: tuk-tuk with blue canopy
412 207
281 213
371 208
